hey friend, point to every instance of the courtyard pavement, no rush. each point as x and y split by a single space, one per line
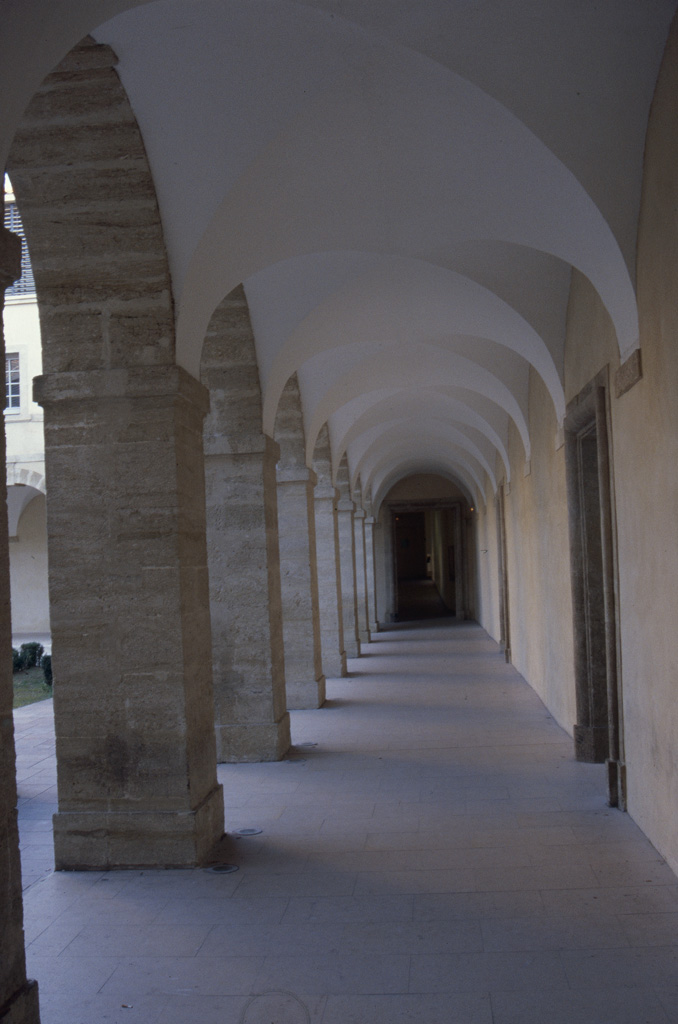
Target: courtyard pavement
429 852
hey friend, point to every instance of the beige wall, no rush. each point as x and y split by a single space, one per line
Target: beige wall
487 566
441 538
28 571
645 438
540 608
644 449
538 561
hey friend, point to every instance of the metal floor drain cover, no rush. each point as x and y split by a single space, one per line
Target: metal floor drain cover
249 831
225 869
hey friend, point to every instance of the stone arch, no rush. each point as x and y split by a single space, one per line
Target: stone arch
88 204
123 443
23 476
252 722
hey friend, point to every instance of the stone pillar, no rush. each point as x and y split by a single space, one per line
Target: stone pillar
371 577
252 723
329 582
360 575
18 996
327 551
304 679
130 620
347 576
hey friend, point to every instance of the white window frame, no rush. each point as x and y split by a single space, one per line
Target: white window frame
12 400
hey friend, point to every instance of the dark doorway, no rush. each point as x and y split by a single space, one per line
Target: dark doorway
597 732
410 533
504 618
418 596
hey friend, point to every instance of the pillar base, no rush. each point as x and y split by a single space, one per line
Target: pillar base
261 741
101 840
334 664
304 695
352 649
23 1007
364 636
591 743
616 784
374 627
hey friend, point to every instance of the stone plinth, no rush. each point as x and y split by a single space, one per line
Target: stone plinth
362 620
371 575
329 582
130 621
347 576
304 679
252 723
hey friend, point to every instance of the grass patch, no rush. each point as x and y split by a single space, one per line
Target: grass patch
29 687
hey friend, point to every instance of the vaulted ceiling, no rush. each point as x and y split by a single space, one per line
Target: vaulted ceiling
402 186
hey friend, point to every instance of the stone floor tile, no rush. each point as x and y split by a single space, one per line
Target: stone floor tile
149 940
478 905
411 1009
86 974
668 997
650 929
438 853
543 876
68 1007
311 883
645 899
254 940
334 974
211 910
349 909
483 972
649 872
550 932
621 968
172 976
372 882
410 937
581 1006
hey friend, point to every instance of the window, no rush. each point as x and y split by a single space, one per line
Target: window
12 381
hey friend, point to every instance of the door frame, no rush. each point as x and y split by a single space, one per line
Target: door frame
598 731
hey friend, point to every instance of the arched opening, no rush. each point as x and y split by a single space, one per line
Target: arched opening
430 549
25 449
125 491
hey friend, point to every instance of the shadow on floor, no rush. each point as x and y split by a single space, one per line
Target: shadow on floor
418 600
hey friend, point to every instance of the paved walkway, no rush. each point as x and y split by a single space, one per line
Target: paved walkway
431 854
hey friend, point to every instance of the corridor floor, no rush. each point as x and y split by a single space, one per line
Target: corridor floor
430 853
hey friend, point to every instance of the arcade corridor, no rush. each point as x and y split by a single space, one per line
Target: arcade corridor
430 851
